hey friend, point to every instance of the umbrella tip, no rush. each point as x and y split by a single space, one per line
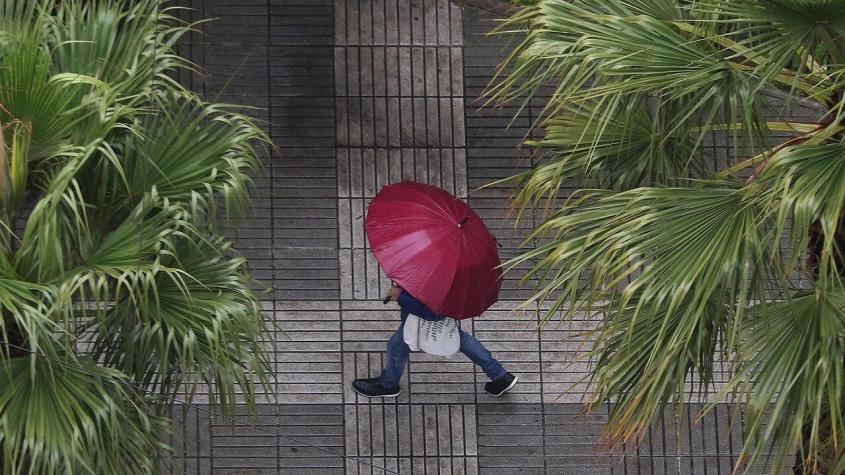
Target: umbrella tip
462 222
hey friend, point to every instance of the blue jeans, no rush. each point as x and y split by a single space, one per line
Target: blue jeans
398 353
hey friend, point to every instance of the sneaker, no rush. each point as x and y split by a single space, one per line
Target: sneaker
372 387
501 385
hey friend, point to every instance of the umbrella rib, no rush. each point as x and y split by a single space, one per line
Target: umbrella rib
438 212
445 212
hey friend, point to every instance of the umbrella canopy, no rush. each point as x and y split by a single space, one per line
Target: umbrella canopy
435 247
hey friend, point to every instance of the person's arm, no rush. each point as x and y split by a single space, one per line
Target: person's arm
411 305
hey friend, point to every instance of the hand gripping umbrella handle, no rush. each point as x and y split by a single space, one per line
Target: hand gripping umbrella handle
387 297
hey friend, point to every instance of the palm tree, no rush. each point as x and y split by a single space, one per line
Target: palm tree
708 223
117 290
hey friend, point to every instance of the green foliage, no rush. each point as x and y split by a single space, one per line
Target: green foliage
686 253
74 418
793 374
114 278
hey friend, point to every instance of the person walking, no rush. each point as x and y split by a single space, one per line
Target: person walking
398 353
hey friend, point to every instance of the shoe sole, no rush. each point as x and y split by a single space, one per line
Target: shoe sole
510 386
375 396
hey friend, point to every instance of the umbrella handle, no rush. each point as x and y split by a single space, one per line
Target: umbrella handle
387 297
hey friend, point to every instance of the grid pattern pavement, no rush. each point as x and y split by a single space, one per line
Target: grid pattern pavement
357 94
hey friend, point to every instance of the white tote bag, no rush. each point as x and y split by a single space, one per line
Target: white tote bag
440 338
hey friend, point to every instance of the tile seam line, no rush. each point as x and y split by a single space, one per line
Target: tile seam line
269 84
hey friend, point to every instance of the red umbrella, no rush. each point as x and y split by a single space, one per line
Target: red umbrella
436 247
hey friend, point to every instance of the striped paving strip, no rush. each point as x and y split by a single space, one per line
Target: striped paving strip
399 97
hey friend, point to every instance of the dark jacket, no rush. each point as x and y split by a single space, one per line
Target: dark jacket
409 304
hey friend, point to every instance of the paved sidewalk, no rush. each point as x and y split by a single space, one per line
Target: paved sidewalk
357 94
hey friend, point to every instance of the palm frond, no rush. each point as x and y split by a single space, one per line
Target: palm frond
27 314
76 417
647 357
635 259
126 45
193 319
59 222
792 372
113 266
193 153
795 35
652 236
28 95
18 16
145 234
586 145
804 187
595 53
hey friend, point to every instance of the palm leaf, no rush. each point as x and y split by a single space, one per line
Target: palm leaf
27 316
626 149
655 236
804 186
17 16
794 377
194 318
70 416
647 358
634 258
30 97
59 221
193 153
596 53
129 46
